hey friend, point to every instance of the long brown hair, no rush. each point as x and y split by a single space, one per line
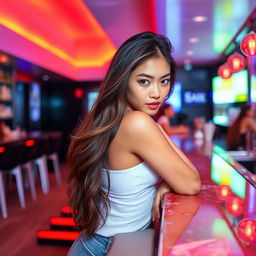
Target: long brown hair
233 136
88 150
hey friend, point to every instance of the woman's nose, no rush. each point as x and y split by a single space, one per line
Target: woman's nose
155 92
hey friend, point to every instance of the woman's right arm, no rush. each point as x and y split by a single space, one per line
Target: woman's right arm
145 139
171 130
179 152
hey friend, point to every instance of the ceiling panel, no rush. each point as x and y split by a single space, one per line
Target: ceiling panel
78 38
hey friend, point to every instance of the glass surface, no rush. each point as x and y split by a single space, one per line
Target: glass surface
221 220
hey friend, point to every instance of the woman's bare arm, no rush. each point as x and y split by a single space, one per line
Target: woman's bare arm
171 130
145 139
181 154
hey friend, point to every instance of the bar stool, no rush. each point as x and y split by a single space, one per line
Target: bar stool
52 153
27 165
36 148
11 165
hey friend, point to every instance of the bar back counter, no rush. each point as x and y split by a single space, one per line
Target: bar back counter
221 220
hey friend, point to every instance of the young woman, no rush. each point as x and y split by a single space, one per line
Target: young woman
118 153
166 112
238 136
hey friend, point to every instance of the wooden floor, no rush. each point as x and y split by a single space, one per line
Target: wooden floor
18 231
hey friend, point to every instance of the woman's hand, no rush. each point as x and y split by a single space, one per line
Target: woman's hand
158 200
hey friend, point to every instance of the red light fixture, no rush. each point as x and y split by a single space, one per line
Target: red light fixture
246 230
66 209
60 221
78 93
57 235
223 192
236 62
248 44
235 205
224 71
29 143
4 58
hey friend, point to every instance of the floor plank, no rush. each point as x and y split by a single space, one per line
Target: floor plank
18 232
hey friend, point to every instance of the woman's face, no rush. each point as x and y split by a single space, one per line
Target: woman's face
148 85
250 112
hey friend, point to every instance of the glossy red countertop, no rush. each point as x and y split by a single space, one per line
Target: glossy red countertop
219 221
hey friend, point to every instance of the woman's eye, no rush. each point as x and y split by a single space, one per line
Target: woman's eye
165 81
143 82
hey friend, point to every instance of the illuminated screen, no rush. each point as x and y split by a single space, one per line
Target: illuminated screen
34 102
92 96
253 88
234 89
175 98
224 174
220 114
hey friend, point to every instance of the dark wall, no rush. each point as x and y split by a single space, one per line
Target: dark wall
61 110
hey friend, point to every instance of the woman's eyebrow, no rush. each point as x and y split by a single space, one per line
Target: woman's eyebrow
149 76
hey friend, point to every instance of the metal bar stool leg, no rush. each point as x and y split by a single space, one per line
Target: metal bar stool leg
56 167
43 171
31 180
19 181
2 197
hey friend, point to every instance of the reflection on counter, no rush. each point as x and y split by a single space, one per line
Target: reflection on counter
221 220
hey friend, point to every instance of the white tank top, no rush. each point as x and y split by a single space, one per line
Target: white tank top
131 197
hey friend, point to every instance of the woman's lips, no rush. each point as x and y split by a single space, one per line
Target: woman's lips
153 106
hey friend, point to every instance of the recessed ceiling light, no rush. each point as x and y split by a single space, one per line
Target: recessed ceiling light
200 18
194 40
45 78
189 53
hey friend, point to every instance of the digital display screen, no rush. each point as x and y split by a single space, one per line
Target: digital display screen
253 88
35 102
224 174
175 98
232 90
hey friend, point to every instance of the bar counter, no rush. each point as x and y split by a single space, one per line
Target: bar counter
221 219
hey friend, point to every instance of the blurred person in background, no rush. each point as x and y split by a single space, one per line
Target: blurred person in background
239 133
164 115
5 131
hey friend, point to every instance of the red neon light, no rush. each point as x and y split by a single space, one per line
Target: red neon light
223 192
81 41
2 149
153 15
78 93
247 230
66 209
29 143
4 58
236 62
24 77
57 235
235 205
248 44
60 221
224 71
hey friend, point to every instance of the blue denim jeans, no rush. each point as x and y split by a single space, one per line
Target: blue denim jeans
94 245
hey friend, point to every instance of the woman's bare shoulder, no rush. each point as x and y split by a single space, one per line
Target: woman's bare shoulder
135 122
